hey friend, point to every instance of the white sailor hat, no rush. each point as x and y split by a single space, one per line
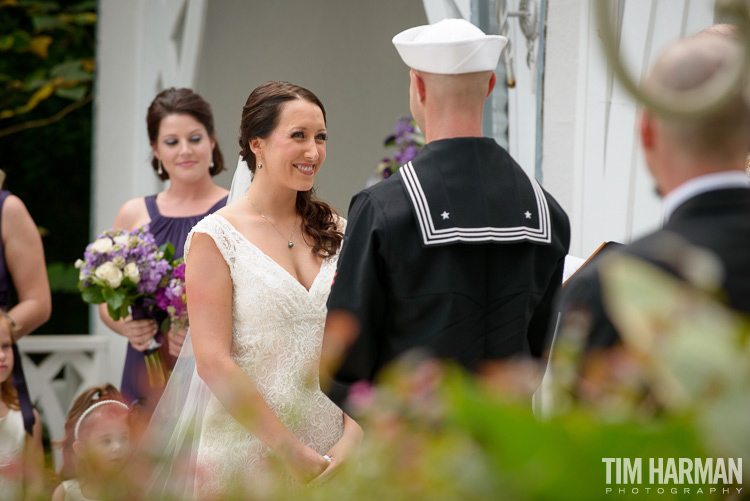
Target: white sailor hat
449 47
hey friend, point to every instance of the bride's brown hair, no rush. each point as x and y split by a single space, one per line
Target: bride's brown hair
260 116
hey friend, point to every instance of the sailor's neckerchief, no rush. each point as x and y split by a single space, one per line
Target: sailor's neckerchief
470 190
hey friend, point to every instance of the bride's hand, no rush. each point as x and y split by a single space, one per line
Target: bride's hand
343 451
304 464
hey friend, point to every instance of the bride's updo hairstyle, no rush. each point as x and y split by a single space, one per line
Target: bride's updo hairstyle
260 116
182 102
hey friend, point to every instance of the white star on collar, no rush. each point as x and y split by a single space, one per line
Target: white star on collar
527 214
445 215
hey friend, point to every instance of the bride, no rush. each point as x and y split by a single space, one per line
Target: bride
258 277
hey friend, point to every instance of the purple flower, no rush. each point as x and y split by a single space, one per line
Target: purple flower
361 395
179 271
408 140
407 154
404 126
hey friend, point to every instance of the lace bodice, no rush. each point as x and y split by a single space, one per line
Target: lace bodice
276 340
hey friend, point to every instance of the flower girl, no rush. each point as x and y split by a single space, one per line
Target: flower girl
20 454
96 446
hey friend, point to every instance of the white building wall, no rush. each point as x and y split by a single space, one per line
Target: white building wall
592 162
339 49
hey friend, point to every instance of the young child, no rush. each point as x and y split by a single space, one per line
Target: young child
96 446
21 455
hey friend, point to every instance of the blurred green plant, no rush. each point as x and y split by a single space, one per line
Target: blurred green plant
676 388
42 43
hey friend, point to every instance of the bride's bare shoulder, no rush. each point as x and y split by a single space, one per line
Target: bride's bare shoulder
233 212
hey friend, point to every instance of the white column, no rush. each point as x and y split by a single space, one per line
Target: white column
592 161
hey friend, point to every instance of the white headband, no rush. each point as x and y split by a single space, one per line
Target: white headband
98 404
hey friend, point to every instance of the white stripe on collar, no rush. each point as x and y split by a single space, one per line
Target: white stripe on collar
432 236
702 184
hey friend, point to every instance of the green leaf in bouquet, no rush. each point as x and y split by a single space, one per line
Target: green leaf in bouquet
114 298
115 314
128 284
125 309
120 312
92 294
168 250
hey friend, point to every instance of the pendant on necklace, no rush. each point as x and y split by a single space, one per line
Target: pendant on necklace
291 244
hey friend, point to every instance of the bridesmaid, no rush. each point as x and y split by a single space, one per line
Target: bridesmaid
181 131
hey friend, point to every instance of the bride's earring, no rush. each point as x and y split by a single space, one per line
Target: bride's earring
260 164
160 170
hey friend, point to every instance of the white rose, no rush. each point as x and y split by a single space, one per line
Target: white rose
131 271
102 245
110 274
79 263
123 240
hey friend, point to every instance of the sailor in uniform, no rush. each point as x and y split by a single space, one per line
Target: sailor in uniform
460 252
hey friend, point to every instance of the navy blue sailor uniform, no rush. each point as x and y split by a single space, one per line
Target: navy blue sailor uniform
460 252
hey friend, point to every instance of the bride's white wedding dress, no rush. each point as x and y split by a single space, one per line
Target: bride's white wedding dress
276 340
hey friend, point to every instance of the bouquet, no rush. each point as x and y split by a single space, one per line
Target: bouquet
126 269
121 268
408 140
171 298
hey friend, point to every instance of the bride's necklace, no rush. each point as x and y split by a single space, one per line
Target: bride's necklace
291 243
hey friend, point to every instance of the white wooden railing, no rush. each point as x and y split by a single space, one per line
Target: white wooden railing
57 369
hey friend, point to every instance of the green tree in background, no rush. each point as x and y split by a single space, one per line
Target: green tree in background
47 64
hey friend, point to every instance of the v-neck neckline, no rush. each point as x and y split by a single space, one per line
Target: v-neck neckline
269 258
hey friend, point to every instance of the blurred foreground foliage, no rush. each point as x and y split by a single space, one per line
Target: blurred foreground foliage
676 388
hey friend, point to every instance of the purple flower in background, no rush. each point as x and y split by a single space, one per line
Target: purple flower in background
407 154
408 140
404 126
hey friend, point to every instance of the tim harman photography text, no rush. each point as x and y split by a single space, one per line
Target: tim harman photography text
671 475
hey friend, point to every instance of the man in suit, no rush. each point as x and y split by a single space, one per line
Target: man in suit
698 165
459 253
